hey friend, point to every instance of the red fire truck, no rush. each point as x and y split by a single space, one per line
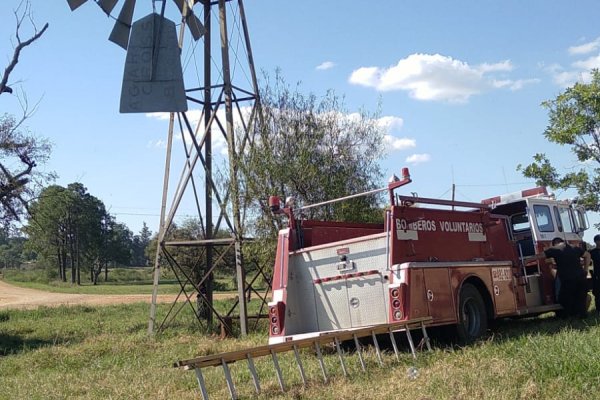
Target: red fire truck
461 263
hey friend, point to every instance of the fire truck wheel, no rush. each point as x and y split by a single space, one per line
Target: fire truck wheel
472 316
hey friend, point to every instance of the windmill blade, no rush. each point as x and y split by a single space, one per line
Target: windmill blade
107 5
195 26
74 4
193 23
122 28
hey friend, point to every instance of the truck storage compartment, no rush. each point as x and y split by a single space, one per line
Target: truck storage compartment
340 285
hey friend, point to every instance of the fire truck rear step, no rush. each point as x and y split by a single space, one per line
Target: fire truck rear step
224 359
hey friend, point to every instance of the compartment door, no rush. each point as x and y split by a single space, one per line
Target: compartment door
439 294
504 290
332 305
367 300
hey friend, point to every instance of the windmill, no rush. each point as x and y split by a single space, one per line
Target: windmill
153 82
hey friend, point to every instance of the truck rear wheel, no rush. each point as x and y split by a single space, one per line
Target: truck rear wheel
472 316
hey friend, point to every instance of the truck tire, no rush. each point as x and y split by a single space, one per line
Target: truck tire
472 316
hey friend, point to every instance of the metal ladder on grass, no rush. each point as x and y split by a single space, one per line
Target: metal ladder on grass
224 359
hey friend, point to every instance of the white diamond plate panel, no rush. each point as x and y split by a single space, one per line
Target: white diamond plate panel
367 300
332 305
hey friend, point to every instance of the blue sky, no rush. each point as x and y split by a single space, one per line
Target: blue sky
459 82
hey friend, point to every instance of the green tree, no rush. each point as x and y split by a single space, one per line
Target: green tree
309 147
574 121
113 246
139 244
47 228
11 251
69 227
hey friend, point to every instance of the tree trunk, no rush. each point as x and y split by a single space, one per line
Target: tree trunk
60 272
64 264
78 262
106 273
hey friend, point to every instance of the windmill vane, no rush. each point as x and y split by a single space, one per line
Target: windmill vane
123 23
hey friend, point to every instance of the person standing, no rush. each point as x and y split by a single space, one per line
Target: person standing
595 254
572 276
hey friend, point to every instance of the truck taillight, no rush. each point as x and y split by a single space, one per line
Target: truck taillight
276 316
397 301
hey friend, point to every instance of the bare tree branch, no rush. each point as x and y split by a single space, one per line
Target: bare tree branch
20 152
20 45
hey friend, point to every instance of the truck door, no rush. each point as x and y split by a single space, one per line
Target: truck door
581 220
543 225
439 294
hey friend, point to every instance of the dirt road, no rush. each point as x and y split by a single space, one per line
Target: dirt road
18 297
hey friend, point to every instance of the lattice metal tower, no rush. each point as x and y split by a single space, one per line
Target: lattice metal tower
222 101
154 82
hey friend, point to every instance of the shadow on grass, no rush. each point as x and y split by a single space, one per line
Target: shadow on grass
509 329
13 344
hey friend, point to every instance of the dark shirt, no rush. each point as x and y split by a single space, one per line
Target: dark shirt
595 253
568 264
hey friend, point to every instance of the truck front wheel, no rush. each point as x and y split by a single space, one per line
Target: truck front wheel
472 316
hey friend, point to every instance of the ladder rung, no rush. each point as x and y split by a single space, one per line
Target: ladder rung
230 384
201 383
278 371
321 363
359 353
394 345
410 342
300 367
341 356
425 336
377 350
253 373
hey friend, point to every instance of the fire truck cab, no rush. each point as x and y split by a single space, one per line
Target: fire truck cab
461 263
534 219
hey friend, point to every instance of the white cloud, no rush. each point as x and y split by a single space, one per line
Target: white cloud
585 48
161 116
433 77
579 70
325 65
157 144
503 66
589 63
418 158
514 85
365 76
195 118
390 123
394 143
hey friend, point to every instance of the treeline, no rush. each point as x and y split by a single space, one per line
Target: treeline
70 232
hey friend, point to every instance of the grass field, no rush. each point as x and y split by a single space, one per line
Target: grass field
104 352
120 281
